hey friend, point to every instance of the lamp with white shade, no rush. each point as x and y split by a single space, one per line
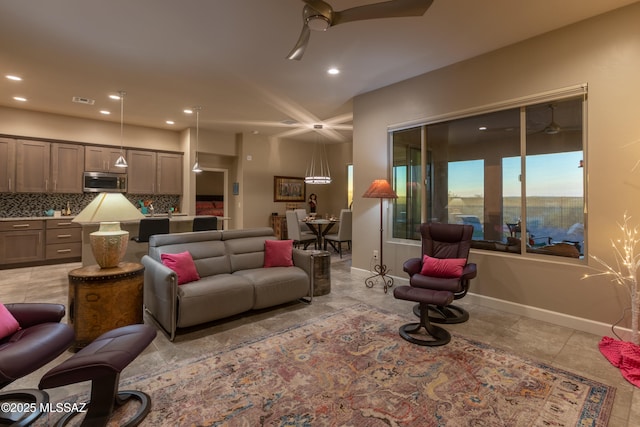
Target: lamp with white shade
109 243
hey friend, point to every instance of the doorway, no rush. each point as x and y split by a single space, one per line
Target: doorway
212 192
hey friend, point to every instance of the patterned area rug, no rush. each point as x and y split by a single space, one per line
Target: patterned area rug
351 368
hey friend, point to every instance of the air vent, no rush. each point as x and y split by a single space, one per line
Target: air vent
81 100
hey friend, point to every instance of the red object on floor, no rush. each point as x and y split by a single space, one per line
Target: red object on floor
624 355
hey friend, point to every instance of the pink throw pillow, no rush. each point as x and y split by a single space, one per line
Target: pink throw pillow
445 267
183 265
278 253
8 323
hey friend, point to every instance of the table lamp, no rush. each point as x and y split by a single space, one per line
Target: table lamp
109 243
380 189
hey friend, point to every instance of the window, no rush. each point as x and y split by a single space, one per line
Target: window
350 185
521 188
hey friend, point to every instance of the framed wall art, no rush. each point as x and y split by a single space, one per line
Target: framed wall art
288 189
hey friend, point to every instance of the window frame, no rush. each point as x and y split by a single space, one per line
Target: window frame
580 90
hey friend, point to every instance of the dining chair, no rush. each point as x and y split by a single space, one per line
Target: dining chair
204 223
150 226
294 233
343 234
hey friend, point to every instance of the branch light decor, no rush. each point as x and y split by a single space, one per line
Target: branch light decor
380 189
625 271
109 243
196 166
318 170
121 162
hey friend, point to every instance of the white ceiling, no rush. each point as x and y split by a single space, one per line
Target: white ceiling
228 56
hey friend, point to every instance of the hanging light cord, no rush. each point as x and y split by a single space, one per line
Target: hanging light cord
122 94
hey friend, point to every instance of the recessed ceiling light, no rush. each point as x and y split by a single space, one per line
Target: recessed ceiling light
170 122
115 97
187 111
14 78
20 98
105 112
333 71
482 128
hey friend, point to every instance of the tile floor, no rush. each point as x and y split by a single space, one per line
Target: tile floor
562 347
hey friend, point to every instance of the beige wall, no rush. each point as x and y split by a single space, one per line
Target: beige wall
218 150
52 126
283 157
602 52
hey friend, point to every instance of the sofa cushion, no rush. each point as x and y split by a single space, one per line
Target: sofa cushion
8 323
278 253
183 265
246 253
213 297
276 285
445 267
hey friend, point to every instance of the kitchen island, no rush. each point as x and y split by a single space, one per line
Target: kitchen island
178 223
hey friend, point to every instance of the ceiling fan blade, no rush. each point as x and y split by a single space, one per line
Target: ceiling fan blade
298 50
387 9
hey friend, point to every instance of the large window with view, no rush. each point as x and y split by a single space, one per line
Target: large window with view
516 175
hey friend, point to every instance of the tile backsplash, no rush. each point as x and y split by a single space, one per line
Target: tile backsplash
18 205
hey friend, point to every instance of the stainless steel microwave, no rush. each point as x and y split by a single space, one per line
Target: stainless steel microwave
102 182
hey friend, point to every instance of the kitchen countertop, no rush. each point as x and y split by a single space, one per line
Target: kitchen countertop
36 218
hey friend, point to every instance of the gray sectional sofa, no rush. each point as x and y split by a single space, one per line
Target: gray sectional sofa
232 277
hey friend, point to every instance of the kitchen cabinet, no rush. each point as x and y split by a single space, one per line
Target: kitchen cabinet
67 162
141 173
33 161
21 241
63 239
102 159
169 173
154 173
7 165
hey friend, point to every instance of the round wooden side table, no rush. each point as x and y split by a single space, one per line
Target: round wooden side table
102 299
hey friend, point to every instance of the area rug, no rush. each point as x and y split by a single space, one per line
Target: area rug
351 368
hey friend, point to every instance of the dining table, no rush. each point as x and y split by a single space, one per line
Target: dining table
320 227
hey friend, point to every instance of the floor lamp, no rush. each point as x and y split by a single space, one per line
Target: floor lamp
380 189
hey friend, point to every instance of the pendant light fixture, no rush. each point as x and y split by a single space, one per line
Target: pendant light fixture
196 166
121 162
318 169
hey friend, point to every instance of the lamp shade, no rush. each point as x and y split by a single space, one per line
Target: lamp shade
109 207
109 243
380 189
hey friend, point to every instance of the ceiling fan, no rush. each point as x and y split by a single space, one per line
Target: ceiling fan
318 15
552 128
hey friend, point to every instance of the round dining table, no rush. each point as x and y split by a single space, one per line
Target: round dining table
320 227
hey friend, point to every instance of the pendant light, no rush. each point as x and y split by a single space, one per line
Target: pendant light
196 166
121 162
318 169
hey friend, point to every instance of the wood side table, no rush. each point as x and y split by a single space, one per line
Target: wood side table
102 299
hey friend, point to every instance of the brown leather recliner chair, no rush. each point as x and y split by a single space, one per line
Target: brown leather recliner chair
40 339
443 241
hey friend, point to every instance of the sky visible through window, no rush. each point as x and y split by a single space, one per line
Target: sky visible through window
548 175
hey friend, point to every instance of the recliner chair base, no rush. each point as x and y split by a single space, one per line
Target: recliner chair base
435 335
448 315
34 400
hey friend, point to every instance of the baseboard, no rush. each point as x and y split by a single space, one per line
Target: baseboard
560 319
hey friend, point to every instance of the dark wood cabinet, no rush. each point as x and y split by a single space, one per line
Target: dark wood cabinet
279 225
